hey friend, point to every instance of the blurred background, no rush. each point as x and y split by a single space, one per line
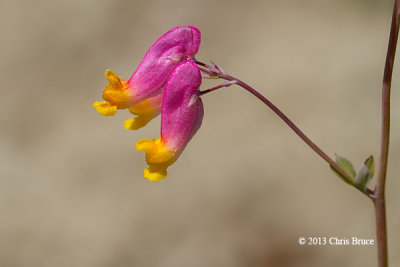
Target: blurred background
245 189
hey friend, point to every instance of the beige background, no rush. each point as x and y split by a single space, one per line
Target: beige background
246 188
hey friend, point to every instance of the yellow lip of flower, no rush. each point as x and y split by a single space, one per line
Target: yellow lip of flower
138 122
156 172
145 111
105 108
158 156
115 94
156 151
144 108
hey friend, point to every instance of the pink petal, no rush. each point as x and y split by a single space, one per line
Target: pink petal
182 109
176 45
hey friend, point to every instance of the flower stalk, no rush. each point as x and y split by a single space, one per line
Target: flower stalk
379 192
219 73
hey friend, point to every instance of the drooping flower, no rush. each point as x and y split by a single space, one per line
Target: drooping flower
141 93
181 117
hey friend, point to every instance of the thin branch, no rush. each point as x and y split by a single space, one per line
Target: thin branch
214 72
387 82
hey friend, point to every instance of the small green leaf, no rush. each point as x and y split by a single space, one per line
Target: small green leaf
369 162
363 177
345 165
340 176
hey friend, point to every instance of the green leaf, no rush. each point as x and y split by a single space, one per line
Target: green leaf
340 176
369 162
345 165
363 177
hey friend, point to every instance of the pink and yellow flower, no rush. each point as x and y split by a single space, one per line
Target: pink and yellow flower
181 117
142 93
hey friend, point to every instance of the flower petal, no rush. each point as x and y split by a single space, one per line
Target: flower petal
179 121
176 45
137 122
156 151
155 172
105 108
181 117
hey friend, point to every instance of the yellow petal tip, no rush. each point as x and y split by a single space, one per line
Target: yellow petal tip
145 145
155 173
129 124
112 77
105 108
137 123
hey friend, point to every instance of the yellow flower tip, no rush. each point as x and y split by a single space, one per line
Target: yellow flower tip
112 77
144 108
156 152
155 173
116 92
137 123
146 145
105 108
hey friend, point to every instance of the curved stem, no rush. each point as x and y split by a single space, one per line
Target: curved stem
216 72
296 129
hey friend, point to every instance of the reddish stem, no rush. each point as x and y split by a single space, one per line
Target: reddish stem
379 193
215 72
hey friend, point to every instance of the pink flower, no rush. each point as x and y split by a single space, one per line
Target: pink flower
142 92
181 117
